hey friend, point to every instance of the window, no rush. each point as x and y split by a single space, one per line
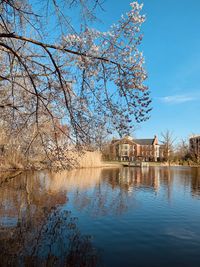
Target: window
125 146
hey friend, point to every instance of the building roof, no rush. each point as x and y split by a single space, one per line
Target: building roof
144 141
194 136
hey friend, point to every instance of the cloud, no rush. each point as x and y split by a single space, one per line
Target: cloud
179 99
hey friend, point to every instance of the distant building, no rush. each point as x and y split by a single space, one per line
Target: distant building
131 149
194 145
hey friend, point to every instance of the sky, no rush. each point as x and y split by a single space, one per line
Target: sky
171 48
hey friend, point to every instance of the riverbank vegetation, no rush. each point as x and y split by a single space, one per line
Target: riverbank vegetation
178 153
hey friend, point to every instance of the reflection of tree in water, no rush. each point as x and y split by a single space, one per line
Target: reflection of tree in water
188 178
99 200
111 194
36 233
56 242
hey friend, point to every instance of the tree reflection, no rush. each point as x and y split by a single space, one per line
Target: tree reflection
34 231
112 192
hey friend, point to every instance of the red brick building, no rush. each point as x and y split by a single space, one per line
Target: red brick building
131 149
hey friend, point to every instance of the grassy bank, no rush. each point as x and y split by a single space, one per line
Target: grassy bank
88 159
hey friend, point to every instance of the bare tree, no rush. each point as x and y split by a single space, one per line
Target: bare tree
182 151
85 79
168 144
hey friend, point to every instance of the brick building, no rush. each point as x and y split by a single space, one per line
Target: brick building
131 149
194 145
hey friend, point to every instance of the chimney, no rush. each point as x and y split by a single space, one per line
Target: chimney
155 139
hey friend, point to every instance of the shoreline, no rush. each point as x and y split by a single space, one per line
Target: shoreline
105 164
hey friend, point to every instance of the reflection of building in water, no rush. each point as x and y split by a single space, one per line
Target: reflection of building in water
195 182
128 178
133 179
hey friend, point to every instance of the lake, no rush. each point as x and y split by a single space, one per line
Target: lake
116 217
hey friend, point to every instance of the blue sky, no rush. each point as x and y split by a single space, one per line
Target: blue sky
171 47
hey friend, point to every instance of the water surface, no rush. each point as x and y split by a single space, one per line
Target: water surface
101 217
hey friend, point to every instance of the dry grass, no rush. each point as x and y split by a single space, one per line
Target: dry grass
75 159
90 160
13 160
